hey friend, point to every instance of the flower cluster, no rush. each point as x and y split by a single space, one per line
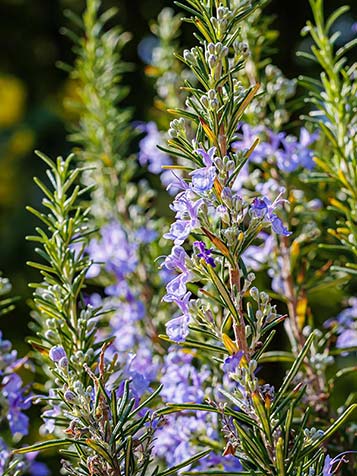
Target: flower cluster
13 399
345 325
179 435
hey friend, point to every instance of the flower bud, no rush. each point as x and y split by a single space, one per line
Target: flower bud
211 48
212 61
204 101
50 335
212 94
226 196
63 363
57 353
69 396
172 133
264 297
254 293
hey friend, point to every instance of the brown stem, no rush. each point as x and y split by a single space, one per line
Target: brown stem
238 327
288 281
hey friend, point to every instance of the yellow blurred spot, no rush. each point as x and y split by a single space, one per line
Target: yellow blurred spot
12 100
343 230
106 160
21 142
70 99
295 249
267 402
301 311
152 71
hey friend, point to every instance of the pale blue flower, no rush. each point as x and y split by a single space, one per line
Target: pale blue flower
177 328
204 177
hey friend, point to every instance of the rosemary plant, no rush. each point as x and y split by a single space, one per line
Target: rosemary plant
269 434
123 201
334 103
97 424
103 429
102 130
164 67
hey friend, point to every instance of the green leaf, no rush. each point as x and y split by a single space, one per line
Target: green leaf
223 292
195 344
185 463
293 371
277 356
46 445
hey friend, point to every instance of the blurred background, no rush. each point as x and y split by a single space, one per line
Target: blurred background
33 116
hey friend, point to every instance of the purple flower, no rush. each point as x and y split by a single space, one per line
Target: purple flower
183 302
259 207
181 380
232 362
247 138
179 231
263 208
57 353
207 157
39 469
141 371
278 227
186 208
114 251
289 152
176 288
177 328
296 152
228 463
149 153
328 469
36 468
145 235
346 326
6 457
256 256
203 178
347 338
175 185
53 411
204 253
275 272
13 392
8 356
268 188
176 259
